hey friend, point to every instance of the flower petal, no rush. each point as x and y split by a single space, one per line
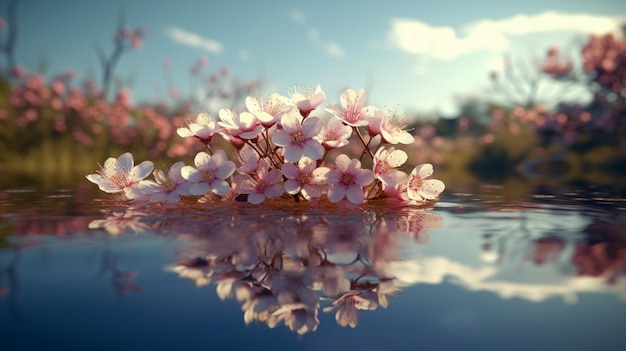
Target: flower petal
313 149
355 194
364 177
220 187
336 193
199 188
282 138
141 170
431 189
423 171
292 186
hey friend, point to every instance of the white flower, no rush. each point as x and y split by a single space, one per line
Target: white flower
419 188
347 180
385 163
210 173
303 178
203 128
353 111
307 102
167 187
120 175
297 138
334 133
391 128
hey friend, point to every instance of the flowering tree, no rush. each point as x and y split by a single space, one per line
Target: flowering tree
125 38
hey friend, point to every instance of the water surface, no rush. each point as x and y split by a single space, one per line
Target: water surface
476 270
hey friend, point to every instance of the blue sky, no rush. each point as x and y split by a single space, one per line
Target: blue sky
410 55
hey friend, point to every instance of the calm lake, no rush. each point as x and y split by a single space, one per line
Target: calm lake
488 267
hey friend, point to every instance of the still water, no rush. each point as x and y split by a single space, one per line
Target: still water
475 271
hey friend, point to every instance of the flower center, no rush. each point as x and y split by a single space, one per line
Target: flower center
298 137
416 183
304 178
382 167
165 182
347 179
207 176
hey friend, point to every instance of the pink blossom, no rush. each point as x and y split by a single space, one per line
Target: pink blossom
265 183
419 188
244 125
297 137
270 111
303 178
385 163
347 180
249 160
334 133
352 111
210 173
307 102
120 175
390 127
167 187
203 128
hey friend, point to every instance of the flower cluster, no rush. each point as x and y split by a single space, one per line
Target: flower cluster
284 149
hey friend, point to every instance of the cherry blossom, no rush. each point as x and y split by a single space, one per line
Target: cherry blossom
385 163
334 133
303 178
352 110
203 128
307 102
167 187
297 138
120 175
270 111
210 173
347 180
419 188
249 160
265 183
390 127
244 125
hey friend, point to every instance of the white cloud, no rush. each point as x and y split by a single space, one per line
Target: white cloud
335 50
331 48
184 37
313 34
445 43
244 55
297 16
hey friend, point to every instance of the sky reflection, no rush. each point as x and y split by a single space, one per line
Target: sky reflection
285 266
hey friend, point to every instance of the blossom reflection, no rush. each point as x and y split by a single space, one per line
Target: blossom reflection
283 269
